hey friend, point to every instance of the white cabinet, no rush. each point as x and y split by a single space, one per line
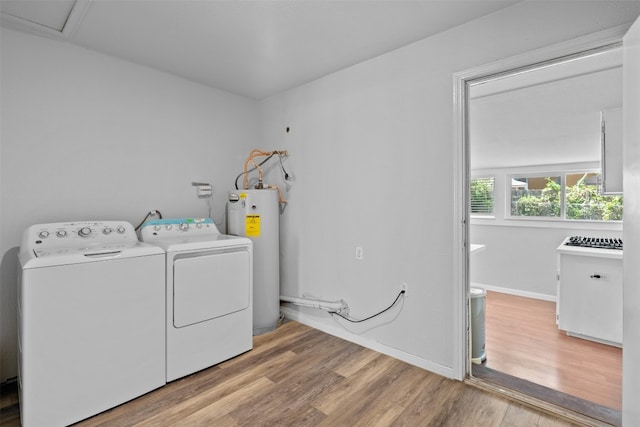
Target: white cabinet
590 293
611 151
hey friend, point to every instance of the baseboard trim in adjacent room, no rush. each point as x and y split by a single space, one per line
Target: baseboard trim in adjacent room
516 292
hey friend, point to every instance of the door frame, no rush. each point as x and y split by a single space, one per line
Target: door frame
575 48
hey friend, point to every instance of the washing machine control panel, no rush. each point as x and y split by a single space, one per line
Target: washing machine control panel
177 227
80 234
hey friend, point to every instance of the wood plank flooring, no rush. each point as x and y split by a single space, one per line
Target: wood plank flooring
522 340
299 376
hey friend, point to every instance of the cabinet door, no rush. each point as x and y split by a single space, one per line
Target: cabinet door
591 297
611 151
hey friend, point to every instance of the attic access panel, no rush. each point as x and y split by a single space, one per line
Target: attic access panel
49 14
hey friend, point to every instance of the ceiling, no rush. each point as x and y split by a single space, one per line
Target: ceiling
257 48
252 48
546 116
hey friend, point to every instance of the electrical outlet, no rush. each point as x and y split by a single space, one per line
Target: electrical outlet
359 253
404 287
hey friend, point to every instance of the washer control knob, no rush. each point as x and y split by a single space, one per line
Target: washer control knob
184 226
168 226
107 230
43 234
121 229
61 233
198 225
157 227
84 232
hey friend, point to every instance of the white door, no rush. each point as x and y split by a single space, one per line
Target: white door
209 286
631 152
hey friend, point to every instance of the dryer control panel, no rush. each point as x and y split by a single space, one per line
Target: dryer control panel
178 227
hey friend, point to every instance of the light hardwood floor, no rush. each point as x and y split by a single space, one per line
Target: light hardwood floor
299 376
522 340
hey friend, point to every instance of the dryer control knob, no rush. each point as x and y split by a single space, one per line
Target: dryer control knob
107 230
184 226
84 232
61 233
157 227
121 229
168 226
43 234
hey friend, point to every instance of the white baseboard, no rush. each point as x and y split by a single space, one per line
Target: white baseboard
411 359
516 292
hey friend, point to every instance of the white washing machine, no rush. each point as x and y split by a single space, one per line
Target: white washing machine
209 293
90 320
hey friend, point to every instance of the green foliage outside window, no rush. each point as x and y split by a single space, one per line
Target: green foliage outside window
545 202
481 196
583 202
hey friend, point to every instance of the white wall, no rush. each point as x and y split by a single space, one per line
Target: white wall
373 156
86 136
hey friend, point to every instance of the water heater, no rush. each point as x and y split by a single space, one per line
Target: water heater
256 214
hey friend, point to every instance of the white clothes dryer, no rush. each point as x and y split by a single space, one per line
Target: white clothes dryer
209 293
90 320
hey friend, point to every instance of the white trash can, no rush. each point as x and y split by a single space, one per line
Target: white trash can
478 298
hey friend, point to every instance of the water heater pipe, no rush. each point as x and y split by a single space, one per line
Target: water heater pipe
335 306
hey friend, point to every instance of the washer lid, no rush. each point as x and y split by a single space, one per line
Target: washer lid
48 257
80 241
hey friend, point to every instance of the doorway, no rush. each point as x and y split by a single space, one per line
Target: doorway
479 85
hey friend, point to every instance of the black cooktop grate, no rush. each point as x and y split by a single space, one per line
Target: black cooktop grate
595 242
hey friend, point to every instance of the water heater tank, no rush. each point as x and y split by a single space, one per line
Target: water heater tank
256 214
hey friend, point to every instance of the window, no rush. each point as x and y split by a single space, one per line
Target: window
583 200
535 196
481 197
571 196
